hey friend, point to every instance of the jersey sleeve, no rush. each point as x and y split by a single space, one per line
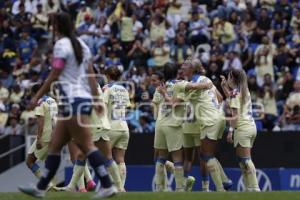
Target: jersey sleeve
179 90
39 110
235 102
59 50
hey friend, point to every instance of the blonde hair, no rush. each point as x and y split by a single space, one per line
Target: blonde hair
240 79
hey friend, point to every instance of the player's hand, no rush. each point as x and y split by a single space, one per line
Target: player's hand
162 89
230 137
39 144
223 80
99 107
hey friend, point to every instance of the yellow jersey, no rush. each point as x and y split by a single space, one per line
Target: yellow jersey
47 108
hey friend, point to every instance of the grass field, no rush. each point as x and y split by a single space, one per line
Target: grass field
164 196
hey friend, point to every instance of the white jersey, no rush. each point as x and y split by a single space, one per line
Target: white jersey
73 81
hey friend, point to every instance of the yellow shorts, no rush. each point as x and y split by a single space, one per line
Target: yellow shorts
40 154
214 132
191 140
245 136
100 134
168 137
119 139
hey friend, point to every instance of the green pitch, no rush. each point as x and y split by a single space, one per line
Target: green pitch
163 196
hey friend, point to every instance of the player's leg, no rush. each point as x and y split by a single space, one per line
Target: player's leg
243 142
160 170
177 157
189 154
120 144
203 171
119 155
248 168
32 165
105 147
169 166
160 144
83 138
59 138
208 148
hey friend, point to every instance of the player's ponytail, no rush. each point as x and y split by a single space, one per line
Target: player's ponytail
65 27
240 79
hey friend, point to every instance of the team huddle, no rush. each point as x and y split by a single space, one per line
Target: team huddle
190 115
91 121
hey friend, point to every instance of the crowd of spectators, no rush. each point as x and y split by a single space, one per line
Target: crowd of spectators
140 36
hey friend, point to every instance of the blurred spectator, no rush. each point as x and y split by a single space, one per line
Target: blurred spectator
3 117
157 26
27 114
269 107
83 12
198 30
16 6
291 115
101 10
232 61
39 23
4 93
52 6
263 58
224 31
14 128
160 53
180 51
16 94
27 46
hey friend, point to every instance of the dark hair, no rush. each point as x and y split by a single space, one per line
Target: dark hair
65 26
113 72
170 71
35 88
159 75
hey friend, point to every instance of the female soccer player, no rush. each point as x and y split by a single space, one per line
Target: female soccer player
242 131
72 67
100 128
206 105
168 129
46 113
116 99
157 79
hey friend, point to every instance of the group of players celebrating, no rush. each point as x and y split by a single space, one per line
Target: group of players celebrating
191 115
92 123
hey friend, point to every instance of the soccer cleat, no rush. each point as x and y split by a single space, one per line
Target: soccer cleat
253 190
106 193
82 190
206 190
64 189
33 191
190 181
227 185
91 185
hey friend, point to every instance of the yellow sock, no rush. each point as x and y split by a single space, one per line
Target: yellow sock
215 174
113 170
77 173
81 184
123 173
244 175
166 180
170 166
159 176
222 173
87 173
179 178
251 174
